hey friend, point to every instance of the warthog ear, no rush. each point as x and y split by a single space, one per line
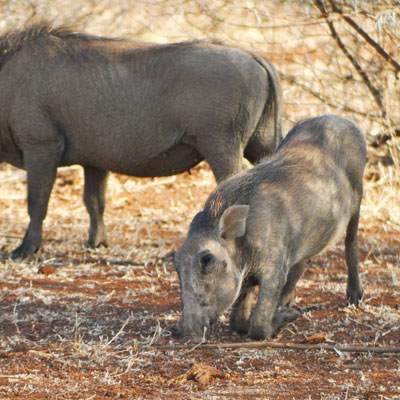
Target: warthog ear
233 222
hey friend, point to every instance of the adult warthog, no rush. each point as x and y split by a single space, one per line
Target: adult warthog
259 226
142 110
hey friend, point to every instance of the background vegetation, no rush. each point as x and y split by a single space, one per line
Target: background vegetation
82 324
334 56
343 55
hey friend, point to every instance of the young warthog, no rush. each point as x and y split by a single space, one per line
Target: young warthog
142 110
259 226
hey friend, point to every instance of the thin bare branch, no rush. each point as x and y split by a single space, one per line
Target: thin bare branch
365 35
364 76
326 100
282 345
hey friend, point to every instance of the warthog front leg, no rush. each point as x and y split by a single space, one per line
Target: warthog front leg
94 197
267 302
288 291
41 166
241 310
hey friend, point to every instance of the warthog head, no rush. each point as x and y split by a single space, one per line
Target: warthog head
209 273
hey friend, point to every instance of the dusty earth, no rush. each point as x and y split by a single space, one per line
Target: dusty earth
83 324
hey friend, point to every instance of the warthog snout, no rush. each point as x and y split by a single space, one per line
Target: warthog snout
194 328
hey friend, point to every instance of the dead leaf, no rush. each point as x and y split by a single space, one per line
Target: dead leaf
47 269
200 373
317 338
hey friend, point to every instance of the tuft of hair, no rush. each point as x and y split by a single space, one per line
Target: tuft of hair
12 41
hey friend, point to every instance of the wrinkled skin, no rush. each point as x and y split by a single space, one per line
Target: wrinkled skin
258 228
141 110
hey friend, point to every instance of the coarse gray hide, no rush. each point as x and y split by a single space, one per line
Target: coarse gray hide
114 105
258 227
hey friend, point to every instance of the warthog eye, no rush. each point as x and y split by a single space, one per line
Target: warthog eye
206 261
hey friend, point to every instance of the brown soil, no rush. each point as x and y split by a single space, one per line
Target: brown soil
83 324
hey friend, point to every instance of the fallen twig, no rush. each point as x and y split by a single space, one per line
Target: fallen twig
282 345
43 354
9 236
118 333
19 176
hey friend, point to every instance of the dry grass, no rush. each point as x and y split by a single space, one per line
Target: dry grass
317 78
88 330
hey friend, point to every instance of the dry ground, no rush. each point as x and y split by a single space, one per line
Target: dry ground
81 324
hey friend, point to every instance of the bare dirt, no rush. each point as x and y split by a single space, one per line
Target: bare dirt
83 324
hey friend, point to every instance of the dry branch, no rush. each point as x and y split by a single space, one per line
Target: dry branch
366 37
10 236
282 345
326 100
364 76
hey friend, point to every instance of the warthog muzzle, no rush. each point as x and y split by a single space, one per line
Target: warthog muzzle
195 329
